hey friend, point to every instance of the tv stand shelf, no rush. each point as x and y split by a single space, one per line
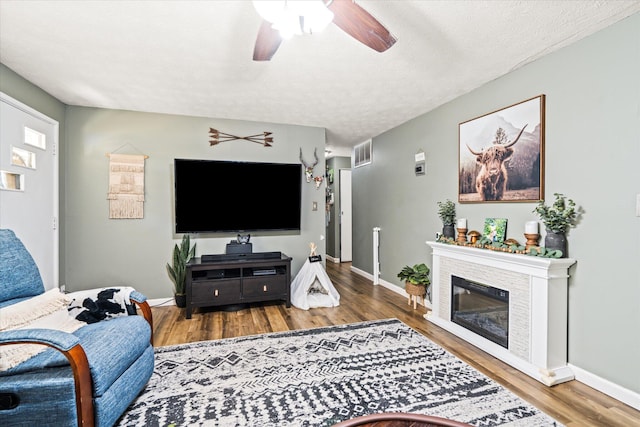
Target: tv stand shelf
226 279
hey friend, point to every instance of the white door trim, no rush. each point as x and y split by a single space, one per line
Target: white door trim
346 216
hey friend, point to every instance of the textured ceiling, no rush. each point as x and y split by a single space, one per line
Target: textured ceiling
195 57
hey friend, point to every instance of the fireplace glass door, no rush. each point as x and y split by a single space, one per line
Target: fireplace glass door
481 308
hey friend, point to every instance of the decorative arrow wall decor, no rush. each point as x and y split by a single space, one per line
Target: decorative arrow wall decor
217 137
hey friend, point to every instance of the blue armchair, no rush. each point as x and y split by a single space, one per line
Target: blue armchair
86 377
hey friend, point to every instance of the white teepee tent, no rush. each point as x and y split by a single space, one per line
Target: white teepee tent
312 286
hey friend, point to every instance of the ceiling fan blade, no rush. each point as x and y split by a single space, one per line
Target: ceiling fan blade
360 25
267 42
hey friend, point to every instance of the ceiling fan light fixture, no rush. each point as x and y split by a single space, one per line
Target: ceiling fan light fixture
288 23
284 18
294 16
316 17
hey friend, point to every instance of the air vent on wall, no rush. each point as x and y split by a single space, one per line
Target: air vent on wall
362 154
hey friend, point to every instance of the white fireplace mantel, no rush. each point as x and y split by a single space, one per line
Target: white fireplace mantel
538 299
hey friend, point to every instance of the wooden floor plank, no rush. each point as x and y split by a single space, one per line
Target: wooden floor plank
573 403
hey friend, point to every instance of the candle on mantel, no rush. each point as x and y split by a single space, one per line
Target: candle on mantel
462 223
531 227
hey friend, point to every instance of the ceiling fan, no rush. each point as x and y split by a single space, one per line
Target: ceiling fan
289 17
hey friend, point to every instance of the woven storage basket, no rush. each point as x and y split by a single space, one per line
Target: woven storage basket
412 289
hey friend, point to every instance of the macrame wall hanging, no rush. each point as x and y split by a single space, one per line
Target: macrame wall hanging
126 185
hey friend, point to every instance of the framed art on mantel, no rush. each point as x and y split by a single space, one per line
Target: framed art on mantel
501 155
495 229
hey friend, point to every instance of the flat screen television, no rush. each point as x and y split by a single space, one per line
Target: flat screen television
213 196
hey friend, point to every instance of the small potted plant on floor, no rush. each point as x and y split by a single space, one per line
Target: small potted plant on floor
178 270
557 219
447 213
416 279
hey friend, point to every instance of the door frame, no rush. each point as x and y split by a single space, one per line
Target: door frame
346 238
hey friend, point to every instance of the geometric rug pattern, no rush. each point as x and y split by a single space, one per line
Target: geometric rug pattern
318 377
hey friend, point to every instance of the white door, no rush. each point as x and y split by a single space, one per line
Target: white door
29 183
346 253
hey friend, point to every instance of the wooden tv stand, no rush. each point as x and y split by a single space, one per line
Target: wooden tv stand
227 279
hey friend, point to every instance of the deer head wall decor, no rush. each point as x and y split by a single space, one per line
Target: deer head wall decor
308 169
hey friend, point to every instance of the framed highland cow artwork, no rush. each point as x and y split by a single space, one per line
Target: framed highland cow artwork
501 155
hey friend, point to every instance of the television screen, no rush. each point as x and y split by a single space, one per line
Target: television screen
226 196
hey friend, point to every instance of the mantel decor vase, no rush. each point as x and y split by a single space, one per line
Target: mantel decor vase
556 241
449 231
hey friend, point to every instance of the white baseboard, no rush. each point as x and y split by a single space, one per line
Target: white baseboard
161 302
395 288
332 259
620 393
362 273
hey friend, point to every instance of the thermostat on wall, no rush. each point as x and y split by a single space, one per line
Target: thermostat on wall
421 166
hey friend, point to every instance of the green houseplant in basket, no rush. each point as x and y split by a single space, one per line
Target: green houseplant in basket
177 271
416 279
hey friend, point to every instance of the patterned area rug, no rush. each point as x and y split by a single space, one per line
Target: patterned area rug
318 377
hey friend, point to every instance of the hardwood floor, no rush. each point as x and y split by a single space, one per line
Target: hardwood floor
572 403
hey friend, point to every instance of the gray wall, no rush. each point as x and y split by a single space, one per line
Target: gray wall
333 227
135 251
592 149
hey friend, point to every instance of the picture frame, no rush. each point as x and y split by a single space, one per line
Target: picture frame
501 154
495 229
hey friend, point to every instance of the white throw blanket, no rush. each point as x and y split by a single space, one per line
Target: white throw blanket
45 311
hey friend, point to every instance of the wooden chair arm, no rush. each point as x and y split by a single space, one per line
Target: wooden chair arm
84 386
81 377
146 313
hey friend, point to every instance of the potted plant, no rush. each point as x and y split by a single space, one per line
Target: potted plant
178 271
557 219
416 279
447 213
